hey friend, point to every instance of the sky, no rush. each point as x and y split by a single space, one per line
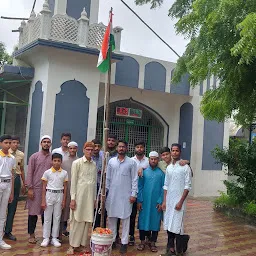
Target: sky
136 38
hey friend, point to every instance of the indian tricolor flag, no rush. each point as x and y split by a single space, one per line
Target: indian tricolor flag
108 45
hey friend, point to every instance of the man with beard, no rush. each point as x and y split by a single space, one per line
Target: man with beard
38 163
111 143
66 165
176 188
122 187
150 199
83 198
142 162
63 150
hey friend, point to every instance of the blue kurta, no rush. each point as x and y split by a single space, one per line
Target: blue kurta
150 194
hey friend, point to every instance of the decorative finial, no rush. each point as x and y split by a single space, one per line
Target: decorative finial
84 15
32 15
46 7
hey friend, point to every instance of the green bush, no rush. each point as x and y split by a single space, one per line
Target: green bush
250 209
225 200
240 160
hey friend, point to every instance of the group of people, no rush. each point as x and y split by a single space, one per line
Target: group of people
61 187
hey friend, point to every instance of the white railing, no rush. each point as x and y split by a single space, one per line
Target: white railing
63 28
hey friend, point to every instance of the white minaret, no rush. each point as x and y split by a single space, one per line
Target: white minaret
74 8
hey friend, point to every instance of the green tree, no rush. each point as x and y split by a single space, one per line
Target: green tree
222 43
5 58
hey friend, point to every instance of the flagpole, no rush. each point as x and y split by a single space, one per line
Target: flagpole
105 133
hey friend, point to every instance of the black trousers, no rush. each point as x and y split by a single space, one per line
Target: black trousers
32 220
98 218
133 219
171 238
13 205
152 234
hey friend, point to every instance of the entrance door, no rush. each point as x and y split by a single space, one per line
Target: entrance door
147 128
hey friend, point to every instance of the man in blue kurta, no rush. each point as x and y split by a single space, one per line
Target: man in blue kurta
149 201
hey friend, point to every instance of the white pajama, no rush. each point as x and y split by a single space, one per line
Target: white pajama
53 208
112 224
5 191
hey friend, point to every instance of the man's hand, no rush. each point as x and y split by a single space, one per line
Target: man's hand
159 207
139 206
10 198
183 162
164 206
72 205
178 206
31 193
140 172
132 199
63 204
43 205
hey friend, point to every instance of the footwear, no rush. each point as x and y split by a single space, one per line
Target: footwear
4 245
45 242
66 234
132 241
55 242
123 248
153 247
10 236
114 245
118 240
141 247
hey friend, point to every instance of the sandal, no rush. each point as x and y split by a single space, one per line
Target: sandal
153 247
141 247
70 251
32 240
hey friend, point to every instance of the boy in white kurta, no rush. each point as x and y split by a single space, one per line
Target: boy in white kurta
53 199
176 188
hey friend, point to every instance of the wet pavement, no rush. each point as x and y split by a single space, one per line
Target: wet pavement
212 234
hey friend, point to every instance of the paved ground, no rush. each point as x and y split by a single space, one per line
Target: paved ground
212 234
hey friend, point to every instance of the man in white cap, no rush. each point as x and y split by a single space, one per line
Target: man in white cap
38 163
149 201
66 165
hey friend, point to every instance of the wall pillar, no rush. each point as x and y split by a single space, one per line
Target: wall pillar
60 7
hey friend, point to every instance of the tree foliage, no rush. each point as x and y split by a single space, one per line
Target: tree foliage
240 159
5 58
222 43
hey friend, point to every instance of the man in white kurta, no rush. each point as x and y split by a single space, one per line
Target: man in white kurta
83 197
176 188
122 187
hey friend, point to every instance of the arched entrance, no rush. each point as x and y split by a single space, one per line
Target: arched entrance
146 127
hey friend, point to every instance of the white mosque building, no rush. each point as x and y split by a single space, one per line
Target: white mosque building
55 86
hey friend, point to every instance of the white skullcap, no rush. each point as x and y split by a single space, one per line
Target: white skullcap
46 137
154 154
72 143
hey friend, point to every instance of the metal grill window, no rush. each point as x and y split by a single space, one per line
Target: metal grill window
148 128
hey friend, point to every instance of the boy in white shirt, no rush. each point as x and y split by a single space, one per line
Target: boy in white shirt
7 163
53 199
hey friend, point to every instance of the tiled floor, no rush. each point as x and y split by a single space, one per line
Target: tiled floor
212 234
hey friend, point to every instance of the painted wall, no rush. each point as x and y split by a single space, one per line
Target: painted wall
71 99
35 119
155 77
127 72
185 130
213 136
